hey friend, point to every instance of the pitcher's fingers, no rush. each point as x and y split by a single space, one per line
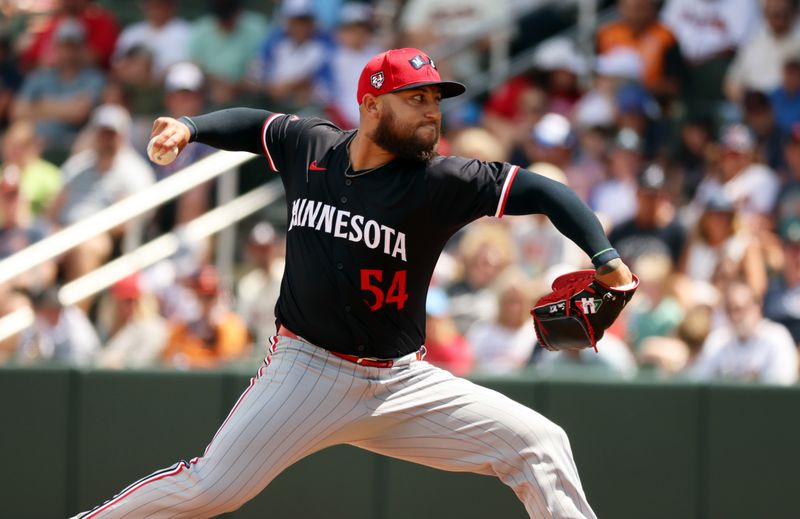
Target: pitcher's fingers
158 126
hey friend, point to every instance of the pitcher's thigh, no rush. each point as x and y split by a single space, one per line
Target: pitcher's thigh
453 424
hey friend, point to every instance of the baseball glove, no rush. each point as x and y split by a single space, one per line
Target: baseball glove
578 311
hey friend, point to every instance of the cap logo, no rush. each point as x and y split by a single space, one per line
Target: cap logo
376 80
418 62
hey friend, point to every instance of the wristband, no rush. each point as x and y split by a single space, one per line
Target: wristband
604 256
192 127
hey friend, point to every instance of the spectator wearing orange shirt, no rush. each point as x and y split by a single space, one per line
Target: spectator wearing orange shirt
101 29
217 335
638 28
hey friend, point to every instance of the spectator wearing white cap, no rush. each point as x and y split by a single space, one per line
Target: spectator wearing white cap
59 99
615 197
553 141
95 178
752 186
563 65
355 45
184 95
162 32
597 107
291 58
223 43
257 291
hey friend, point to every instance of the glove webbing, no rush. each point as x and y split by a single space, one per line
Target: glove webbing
566 292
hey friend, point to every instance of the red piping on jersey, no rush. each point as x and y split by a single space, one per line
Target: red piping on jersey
264 140
501 206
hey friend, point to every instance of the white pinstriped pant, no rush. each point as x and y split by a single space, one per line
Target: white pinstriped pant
304 399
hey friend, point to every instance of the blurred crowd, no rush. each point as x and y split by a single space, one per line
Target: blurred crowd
680 129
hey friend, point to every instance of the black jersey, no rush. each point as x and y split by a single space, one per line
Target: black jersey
361 246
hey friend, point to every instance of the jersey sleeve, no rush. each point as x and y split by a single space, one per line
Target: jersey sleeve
284 136
285 139
463 190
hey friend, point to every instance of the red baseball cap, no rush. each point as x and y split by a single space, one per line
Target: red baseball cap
127 288
403 69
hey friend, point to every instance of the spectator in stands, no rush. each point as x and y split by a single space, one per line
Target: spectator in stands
355 45
11 300
19 229
60 334
133 332
10 78
133 84
613 357
786 98
720 248
655 228
613 69
162 33
788 204
751 186
708 33
426 24
638 28
782 300
477 143
95 179
504 343
217 336
445 346
485 251
40 181
673 354
562 66
539 244
291 59
654 313
99 24
513 109
759 117
257 291
615 197
759 61
637 110
553 141
60 99
692 156
223 44
747 347
185 95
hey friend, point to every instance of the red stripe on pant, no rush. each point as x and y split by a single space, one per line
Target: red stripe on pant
181 466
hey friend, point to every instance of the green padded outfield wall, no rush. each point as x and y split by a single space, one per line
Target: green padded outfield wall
71 439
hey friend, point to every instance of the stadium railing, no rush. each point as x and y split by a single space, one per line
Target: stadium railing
221 165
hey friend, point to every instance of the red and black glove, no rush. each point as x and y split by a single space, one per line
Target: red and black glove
578 311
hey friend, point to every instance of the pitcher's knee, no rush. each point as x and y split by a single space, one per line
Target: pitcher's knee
543 433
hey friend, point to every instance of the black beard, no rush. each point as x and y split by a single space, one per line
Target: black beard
406 147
